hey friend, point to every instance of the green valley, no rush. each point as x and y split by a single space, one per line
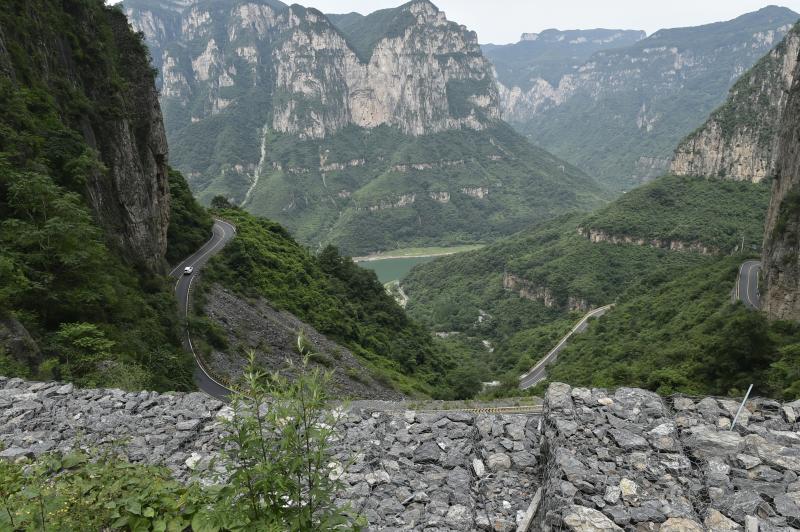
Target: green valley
525 292
381 190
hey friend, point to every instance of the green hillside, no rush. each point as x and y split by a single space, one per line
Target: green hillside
339 299
563 273
682 208
681 334
392 190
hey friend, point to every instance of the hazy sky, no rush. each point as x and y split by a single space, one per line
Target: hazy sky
502 21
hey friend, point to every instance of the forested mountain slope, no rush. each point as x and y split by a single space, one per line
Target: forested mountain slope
365 132
91 215
85 203
635 103
666 253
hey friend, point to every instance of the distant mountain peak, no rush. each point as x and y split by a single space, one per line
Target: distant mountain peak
595 36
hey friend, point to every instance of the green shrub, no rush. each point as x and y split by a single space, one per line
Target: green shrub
277 475
278 458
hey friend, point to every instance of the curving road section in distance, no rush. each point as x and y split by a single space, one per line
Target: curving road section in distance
537 373
746 289
223 232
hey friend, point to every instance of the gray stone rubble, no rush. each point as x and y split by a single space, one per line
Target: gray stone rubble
631 460
624 460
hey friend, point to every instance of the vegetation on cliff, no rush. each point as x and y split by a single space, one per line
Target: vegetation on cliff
98 320
382 190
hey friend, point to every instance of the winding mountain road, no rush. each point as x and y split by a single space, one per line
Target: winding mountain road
746 289
537 373
223 232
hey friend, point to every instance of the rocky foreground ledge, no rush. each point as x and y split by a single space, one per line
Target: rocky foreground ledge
599 460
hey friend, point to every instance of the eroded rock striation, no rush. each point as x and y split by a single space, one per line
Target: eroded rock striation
781 250
423 75
125 168
622 460
739 140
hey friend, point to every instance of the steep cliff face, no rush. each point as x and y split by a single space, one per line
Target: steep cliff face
420 73
539 70
131 198
368 132
781 251
126 183
424 76
739 140
638 101
85 201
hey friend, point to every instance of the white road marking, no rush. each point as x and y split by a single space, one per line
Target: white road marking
544 361
192 261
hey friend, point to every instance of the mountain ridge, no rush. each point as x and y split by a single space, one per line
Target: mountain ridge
275 110
638 102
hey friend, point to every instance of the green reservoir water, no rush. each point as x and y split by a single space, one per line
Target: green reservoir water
393 269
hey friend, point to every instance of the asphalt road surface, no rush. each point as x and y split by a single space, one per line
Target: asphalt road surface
537 373
223 232
746 289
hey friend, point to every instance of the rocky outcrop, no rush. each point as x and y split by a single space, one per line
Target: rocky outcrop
131 197
640 99
648 168
272 335
739 140
528 290
781 250
622 460
404 200
408 82
16 341
424 76
125 167
596 235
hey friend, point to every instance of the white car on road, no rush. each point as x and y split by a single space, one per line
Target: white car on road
188 270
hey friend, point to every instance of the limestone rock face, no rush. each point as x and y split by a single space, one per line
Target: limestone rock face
739 140
425 75
128 190
637 100
131 199
780 254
